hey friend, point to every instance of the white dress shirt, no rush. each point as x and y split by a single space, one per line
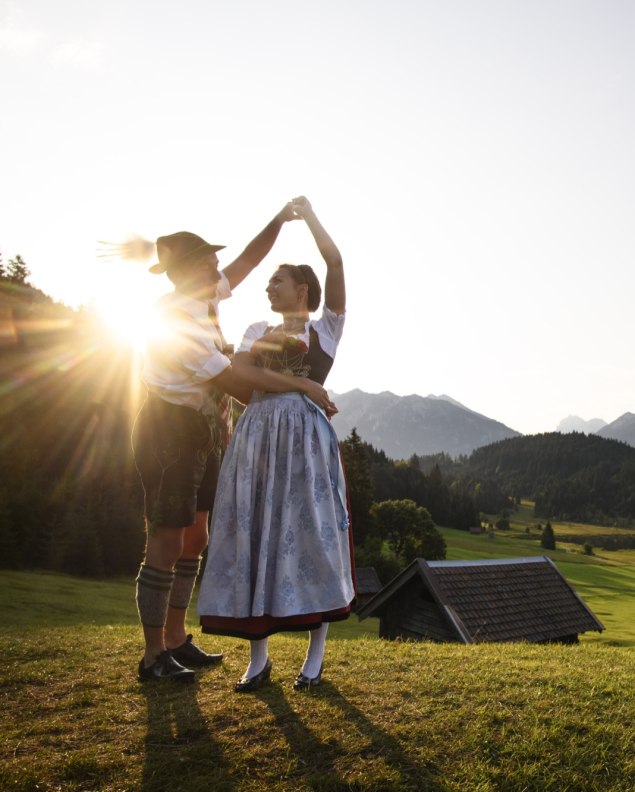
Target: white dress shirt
181 361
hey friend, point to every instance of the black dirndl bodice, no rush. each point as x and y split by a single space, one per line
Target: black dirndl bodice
296 360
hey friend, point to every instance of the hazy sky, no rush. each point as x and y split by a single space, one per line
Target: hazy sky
473 160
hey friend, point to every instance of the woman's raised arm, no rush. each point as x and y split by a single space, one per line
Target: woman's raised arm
335 287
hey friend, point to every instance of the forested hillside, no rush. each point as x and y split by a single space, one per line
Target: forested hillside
69 499
569 476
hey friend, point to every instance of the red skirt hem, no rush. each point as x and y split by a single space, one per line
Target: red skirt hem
254 628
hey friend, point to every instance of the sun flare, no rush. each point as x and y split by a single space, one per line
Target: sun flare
130 321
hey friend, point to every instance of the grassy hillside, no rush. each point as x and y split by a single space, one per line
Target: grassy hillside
389 716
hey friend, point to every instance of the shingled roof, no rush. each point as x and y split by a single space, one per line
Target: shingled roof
507 599
368 581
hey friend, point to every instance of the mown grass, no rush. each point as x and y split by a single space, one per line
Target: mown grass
389 716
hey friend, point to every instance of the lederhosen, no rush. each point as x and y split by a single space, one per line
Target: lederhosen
178 451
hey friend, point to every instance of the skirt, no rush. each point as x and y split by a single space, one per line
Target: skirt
280 551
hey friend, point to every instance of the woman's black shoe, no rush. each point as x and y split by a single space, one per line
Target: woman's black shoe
249 684
304 682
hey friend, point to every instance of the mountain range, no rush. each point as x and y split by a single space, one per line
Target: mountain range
623 428
573 423
405 425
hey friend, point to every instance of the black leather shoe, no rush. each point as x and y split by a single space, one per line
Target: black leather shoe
191 655
304 683
165 667
249 684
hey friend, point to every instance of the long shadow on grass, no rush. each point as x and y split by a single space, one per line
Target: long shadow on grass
180 753
364 741
315 759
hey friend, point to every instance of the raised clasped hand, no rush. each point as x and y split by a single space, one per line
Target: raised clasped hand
301 206
289 213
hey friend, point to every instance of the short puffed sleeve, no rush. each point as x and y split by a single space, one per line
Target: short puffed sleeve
252 334
329 328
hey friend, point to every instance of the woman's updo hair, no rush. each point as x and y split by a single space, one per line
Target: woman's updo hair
302 273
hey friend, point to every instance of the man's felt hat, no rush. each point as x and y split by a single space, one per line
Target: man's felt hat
175 249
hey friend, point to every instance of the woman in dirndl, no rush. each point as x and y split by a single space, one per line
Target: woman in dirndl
280 554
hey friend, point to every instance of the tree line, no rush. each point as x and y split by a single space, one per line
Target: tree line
15 270
70 499
396 508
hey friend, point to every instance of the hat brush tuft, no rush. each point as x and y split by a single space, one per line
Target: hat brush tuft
135 248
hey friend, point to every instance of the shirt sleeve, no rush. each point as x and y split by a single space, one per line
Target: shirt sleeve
215 364
223 289
198 354
252 334
329 328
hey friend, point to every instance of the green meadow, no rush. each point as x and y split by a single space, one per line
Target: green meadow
388 716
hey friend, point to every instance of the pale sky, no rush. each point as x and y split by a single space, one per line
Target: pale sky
474 161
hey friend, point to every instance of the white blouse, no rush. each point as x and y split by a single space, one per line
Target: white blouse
329 328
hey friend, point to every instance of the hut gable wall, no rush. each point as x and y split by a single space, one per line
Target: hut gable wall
413 614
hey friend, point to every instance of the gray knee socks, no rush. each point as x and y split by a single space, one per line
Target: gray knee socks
153 595
185 572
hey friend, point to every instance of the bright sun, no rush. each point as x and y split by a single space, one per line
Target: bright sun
130 320
125 298
124 294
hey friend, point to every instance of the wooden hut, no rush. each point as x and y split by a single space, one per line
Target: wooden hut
368 584
506 599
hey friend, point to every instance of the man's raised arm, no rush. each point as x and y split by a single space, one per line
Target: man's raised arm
258 248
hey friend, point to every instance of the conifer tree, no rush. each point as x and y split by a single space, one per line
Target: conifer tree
9 547
548 539
17 271
360 484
